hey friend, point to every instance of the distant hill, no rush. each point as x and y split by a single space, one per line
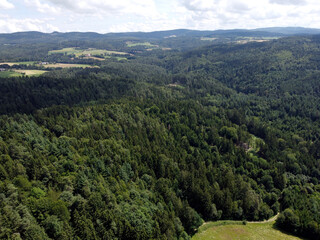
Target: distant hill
36 37
290 30
275 31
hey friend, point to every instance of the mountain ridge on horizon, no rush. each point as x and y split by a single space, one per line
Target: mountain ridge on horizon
37 37
282 30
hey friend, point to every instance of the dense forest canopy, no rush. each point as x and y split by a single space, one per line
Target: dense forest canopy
195 127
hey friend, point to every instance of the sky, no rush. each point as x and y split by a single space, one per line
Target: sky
105 16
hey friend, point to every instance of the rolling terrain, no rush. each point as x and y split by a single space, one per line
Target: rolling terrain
191 127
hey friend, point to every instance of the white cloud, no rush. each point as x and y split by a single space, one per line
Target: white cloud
18 25
238 6
42 7
161 23
4 4
206 14
200 5
108 7
151 15
289 2
229 14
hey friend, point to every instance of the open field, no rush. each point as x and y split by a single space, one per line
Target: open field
102 52
121 58
244 40
208 38
253 40
7 74
86 52
20 73
256 38
146 44
18 63
67 51
106 57
31 72
52 65
230 230
68 65
95 58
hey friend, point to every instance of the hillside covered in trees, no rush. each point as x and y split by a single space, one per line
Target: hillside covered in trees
182 131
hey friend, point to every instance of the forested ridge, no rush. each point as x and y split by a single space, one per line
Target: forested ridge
151 147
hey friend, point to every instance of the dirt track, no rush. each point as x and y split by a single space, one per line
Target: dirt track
266 221
274 218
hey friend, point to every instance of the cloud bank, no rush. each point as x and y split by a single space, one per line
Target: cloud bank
4 5
18 25
109 7
151 15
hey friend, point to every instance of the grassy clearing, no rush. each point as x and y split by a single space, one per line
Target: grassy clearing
244 40
208 38
249 41
257 38
115 57
103 52
255 143
30 72
145 44
8 74
175 85
86 52
20 73
229 230
95 58
67 51
68 65
50 65
121 58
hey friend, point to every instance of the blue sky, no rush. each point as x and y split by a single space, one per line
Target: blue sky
151 15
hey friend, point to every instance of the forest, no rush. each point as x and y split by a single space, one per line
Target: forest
153 146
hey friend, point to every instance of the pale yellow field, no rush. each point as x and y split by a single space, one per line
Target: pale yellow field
68 65
31 72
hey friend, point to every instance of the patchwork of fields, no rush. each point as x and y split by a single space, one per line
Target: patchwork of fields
91 53
87 52
33 72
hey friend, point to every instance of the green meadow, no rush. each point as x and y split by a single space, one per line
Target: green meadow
230 230
30 72
20 73
146 44
84 52
68 65
7 74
